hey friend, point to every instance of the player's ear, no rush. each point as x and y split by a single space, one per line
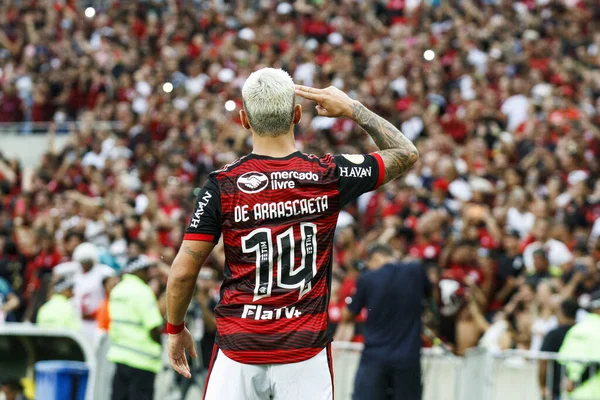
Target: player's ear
297 114
244 119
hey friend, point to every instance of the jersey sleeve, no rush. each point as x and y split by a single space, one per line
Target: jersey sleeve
205 223
358 174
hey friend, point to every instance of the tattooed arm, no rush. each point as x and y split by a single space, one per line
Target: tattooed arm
399 154
182 277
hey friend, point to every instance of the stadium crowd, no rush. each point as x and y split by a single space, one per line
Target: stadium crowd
502 99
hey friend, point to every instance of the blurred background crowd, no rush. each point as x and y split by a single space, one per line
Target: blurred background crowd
502 99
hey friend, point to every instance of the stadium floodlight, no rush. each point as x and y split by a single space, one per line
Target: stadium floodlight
429 55
167 87
90 12
230 105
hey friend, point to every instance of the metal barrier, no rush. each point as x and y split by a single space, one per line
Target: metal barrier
515 375
480 375
43 127
442 372
105 370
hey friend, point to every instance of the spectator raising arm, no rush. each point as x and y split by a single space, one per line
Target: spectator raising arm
11 303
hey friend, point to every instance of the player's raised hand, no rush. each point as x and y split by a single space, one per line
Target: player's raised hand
331 101
178 344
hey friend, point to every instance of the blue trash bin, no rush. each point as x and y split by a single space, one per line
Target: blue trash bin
60 380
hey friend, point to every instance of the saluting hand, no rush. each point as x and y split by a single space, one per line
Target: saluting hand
331 101
178 344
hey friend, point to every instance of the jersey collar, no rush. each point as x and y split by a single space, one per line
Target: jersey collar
265 157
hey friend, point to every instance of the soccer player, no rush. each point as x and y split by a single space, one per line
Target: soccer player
277 210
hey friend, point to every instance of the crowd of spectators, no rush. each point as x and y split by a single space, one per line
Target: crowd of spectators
504 108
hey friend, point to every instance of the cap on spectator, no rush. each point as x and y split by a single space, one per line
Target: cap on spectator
86 252
513 233
507 137
284 8
63 284
143 88
481 185
247 34
495 53
576 177
441 184
335 38
131 182
531 35
311 44
461 190
226 74
483 252
137 264
413 180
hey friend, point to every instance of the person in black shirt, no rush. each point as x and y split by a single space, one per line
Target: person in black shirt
542 267
552 342
510 267
12 269
393 293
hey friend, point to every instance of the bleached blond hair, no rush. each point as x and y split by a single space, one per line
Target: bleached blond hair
269 98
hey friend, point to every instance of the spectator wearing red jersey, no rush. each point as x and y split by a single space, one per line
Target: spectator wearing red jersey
11 106
42 264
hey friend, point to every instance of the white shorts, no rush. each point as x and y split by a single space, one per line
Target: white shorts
311 379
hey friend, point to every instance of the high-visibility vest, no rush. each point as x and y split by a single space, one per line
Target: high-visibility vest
583 341
58 312
134 313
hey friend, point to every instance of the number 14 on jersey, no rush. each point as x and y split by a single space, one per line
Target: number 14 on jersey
289 276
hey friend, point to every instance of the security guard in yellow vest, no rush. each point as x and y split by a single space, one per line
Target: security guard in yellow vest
135 332
58 312
583 341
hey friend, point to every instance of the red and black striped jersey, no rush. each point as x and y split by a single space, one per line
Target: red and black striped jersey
278 217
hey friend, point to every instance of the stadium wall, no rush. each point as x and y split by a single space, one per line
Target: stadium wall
28 148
